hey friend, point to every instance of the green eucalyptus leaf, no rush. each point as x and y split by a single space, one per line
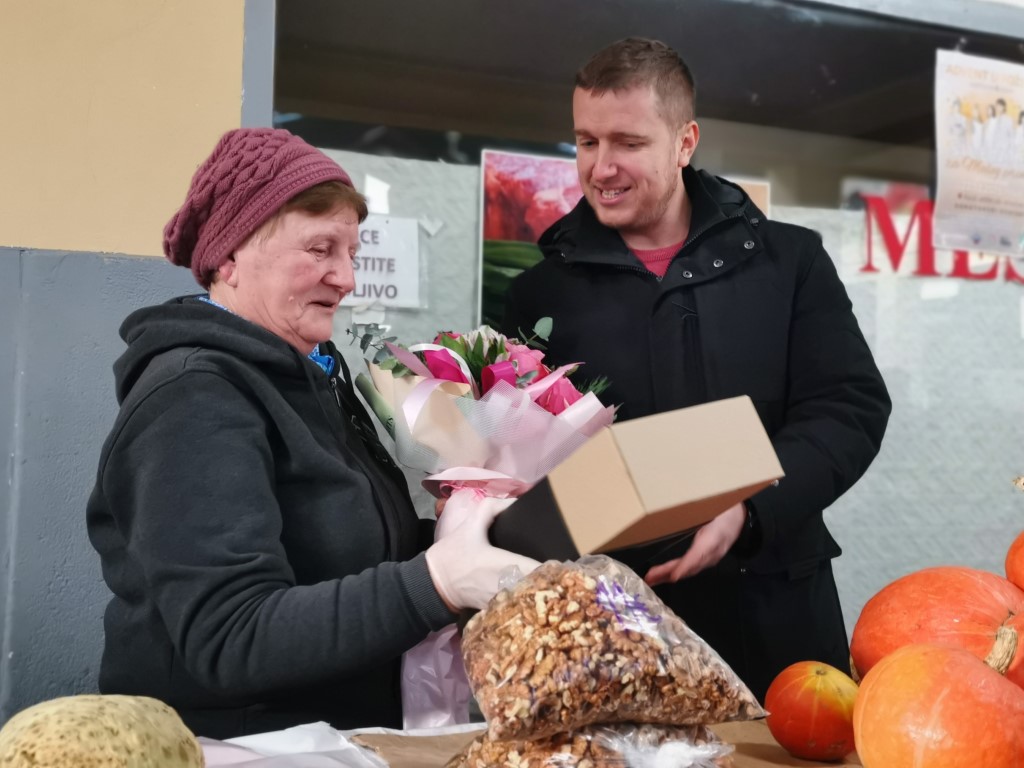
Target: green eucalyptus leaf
597 386
526 378
543 328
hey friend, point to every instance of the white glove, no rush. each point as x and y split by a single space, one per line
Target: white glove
465 568
463 504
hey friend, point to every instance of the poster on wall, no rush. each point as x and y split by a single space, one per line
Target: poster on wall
387 265
979 139
521 196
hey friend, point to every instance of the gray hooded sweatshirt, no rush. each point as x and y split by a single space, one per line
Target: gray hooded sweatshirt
263 554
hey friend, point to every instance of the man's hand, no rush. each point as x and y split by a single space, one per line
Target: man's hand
709 546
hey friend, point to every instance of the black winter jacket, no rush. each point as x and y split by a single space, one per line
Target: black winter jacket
260 545
748 307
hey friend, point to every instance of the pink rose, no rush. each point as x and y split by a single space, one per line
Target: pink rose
527 360
443 366
559 396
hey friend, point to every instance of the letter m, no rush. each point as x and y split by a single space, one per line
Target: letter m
877 211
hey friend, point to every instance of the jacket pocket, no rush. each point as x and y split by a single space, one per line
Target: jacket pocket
805 568
796 560
794 571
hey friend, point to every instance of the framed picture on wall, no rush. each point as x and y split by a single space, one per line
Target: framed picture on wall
521 196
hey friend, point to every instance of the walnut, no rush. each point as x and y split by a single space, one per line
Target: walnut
616 654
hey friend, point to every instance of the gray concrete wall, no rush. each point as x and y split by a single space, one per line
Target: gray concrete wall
258 63
10 306
59 313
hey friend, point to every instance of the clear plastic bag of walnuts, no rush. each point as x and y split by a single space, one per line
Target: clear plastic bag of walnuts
599 746
585 642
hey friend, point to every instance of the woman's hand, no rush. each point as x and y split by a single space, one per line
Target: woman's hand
464 566
460 505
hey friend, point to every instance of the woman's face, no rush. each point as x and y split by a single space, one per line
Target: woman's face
292 281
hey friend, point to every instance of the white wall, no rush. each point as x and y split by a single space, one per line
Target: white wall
805 167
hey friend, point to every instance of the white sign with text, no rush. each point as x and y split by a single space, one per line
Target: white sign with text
387 265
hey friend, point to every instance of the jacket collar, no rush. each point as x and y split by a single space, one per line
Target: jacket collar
578 237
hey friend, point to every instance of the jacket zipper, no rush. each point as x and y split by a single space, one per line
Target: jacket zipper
689 241
705 228
372 476
353 419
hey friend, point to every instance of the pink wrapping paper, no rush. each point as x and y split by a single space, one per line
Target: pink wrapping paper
435 688
501 444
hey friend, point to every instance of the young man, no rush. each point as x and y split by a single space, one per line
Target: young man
673 285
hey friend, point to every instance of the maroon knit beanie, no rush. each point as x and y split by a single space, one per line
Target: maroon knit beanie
250 175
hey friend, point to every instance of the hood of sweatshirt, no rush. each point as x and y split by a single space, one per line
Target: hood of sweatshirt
188 321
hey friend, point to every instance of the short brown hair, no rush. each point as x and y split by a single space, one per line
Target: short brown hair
319 199
639 61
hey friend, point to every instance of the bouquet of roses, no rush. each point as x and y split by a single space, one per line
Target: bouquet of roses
480 410
474 410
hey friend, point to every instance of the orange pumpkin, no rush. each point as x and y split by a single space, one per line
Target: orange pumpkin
810 711
929 706
949 605
1015 562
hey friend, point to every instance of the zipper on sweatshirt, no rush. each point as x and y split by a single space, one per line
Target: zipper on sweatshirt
369 438
374 476
353 419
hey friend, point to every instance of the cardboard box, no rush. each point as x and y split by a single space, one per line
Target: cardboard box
643 480
755 748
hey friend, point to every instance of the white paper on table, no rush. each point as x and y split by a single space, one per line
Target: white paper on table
443 730
313 745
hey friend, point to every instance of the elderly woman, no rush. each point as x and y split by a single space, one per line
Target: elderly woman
266 563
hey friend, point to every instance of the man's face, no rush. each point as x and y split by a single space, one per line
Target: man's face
629 158
291 282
